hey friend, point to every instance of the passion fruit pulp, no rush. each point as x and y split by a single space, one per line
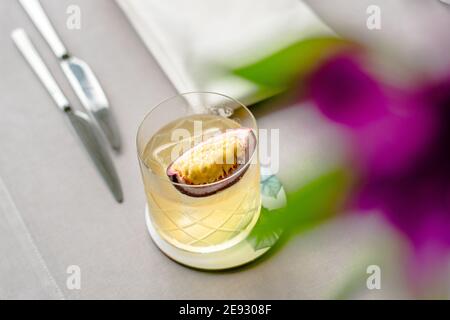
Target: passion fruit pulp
214 164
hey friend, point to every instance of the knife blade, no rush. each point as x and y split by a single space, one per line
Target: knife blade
81 124
80 75
91 95
88 135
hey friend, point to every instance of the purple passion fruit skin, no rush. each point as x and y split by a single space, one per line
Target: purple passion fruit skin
210 166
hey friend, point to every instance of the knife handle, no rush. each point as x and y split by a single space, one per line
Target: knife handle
34 9
25 46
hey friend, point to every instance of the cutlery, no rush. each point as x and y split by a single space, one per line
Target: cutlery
80 122
79 74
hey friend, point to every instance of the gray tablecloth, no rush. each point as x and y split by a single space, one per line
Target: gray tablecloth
56 212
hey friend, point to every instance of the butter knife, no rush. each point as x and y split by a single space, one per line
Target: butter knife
80 122
79 74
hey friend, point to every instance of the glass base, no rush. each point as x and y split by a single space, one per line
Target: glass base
272 196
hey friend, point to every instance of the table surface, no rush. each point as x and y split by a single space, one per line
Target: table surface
58 213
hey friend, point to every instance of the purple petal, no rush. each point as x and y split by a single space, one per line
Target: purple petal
401 143
345 93
393 143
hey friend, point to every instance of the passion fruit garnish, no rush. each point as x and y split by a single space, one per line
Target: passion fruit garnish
214 164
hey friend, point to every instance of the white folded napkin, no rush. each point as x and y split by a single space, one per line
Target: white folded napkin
192 40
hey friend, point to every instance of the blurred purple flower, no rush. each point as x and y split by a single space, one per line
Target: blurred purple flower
401 145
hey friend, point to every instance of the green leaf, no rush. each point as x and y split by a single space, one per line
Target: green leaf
317 201
279 70
267 230
306 207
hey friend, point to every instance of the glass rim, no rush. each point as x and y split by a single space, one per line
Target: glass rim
243 168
